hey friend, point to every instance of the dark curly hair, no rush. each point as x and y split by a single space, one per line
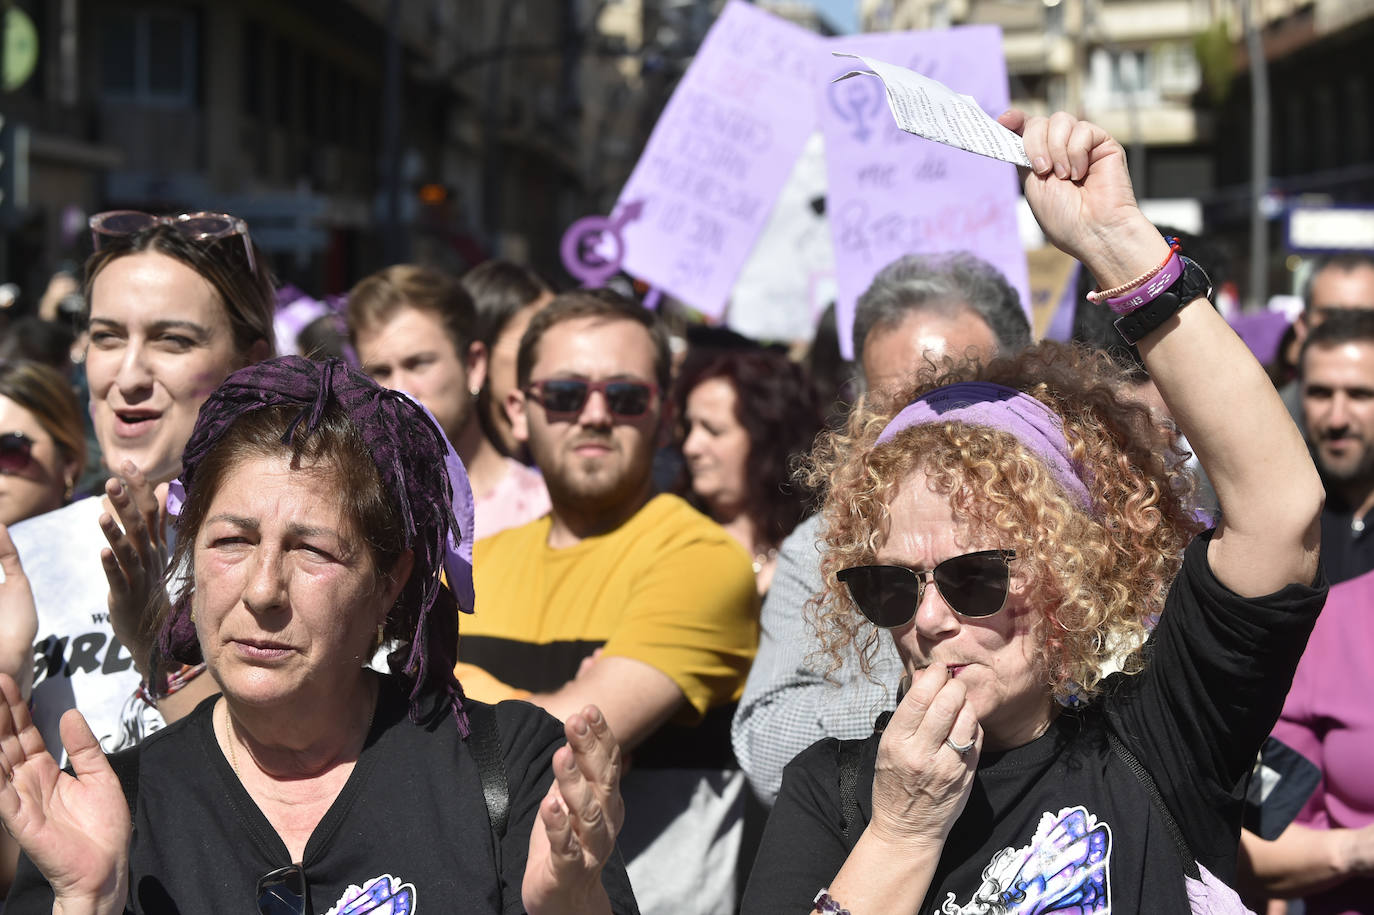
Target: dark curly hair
1101 577
780 410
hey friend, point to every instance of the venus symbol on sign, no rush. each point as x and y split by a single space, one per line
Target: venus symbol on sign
857 101
593 248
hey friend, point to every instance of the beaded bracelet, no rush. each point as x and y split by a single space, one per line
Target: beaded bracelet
827 906
1099 295
1149 290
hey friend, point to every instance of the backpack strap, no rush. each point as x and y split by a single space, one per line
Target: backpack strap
850 751
1190 865
484 742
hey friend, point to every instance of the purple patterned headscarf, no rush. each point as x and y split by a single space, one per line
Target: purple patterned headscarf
419 470
995 406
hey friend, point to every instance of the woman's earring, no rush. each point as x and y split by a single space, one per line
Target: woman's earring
381 634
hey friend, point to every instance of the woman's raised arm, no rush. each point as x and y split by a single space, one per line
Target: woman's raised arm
1271 498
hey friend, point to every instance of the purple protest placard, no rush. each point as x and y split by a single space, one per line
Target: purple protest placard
719 155
1262 331
892 193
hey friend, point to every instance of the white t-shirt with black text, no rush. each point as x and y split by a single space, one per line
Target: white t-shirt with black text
78 662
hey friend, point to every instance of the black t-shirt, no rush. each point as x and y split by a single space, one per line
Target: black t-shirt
1218 669
1347 541
410 825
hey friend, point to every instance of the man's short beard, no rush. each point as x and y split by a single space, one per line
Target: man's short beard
1360 474
596 497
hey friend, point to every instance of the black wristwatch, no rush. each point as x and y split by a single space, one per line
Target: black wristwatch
1191 284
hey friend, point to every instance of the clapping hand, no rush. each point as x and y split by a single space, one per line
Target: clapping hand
18 616
137 558
579 819
75 828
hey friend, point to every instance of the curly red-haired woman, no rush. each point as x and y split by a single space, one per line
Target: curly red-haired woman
1048 755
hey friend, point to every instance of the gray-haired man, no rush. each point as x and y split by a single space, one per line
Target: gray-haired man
917 308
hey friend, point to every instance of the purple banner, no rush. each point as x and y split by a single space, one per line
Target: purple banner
1262 331
719 155
892 193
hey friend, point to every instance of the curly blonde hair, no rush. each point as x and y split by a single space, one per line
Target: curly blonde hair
1099 578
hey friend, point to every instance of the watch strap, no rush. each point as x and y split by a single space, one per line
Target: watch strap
1191 284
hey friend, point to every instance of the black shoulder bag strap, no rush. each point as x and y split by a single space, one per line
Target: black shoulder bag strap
1190 866
484 742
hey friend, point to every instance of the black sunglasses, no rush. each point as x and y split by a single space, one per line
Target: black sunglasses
567 396
283 892
16 452
974 585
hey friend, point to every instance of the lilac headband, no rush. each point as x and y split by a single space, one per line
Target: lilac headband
420 473
995 406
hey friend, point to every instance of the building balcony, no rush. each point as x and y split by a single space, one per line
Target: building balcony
1160 123
1037 52
1127 22
1333 15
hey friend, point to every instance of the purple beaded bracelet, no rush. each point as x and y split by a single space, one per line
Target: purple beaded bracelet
827 906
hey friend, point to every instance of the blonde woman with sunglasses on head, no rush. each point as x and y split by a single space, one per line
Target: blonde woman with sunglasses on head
1019 528
174 305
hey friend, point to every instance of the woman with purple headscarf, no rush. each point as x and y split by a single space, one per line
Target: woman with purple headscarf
1089 676
320 519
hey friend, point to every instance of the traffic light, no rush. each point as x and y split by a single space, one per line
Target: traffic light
14 172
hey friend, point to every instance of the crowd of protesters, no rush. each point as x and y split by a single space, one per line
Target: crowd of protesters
465 593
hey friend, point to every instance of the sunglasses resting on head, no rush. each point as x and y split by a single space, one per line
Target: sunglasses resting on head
973 585
568 396
191 226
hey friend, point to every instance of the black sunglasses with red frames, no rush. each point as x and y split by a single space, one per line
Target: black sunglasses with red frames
198 227
973 585
566 397
16 452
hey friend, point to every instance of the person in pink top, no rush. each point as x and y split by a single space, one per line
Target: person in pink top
1327 855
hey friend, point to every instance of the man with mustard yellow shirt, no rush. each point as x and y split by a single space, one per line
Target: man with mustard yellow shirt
634 602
